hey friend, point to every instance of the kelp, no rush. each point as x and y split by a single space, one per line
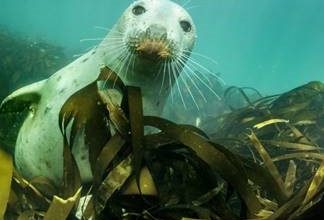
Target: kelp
6 170
146 167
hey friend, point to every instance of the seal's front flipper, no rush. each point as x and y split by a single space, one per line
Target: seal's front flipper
22 98
13 112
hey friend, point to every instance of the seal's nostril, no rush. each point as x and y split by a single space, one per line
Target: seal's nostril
156 30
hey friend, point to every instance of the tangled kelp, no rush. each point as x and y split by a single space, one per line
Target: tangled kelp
188 175
25 61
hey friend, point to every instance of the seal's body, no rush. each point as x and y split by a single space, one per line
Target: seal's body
149 36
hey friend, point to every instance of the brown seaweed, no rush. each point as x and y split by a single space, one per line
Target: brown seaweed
191 176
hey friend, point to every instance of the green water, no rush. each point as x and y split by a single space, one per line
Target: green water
272 45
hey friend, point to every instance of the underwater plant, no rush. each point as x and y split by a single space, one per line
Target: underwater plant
178 172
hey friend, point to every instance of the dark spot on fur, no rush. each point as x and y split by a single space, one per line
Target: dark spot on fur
46 110
84 60
48 164
83 157
58 78
94 52
61 91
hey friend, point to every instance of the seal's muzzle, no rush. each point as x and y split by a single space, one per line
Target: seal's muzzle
153 44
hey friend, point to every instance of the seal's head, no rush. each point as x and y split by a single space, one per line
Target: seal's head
158 29
152 33
149 46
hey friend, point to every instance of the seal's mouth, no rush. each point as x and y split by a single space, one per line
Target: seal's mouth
153 49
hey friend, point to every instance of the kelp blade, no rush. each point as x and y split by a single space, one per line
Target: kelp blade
6 170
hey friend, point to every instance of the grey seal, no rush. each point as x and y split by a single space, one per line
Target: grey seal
141 47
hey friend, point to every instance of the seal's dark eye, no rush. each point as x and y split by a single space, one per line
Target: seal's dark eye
186 26
138 10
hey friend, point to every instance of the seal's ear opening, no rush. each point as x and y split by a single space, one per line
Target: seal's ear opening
13 111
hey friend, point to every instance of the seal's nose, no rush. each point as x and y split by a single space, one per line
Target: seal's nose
157 30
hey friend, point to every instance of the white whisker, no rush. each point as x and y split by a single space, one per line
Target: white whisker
194 62
192 7
177 83
170 81
186 3
163 76
190 78
203 56
202 81
127 62
91 39
179 66
101 28
85 51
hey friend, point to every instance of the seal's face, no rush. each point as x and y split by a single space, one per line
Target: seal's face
158 29
149 47
155 31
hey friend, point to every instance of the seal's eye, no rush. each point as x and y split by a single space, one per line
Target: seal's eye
185 25
138 10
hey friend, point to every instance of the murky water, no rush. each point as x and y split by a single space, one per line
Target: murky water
271 45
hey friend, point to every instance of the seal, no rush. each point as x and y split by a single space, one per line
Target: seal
147 47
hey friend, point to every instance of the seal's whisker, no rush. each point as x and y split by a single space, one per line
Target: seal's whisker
191 80
112 41
163 76
133 64
203 56
193 73
101 28
195 68
117 37
186 3
158 73
114 51
85 51
120 65
120 57
112 48
129 61
196 63
120 49
177 83
114 30
184 81
91 39
192 7
170 81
